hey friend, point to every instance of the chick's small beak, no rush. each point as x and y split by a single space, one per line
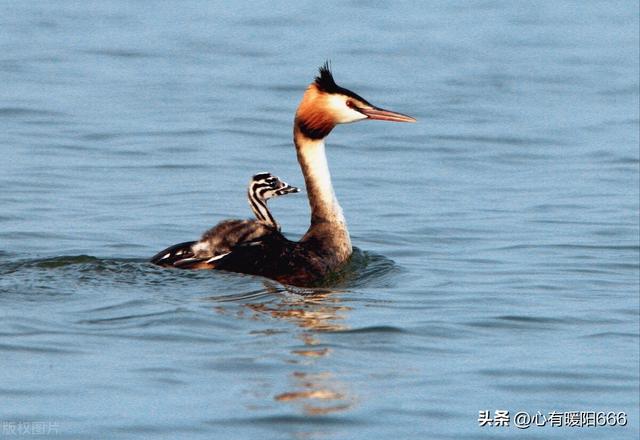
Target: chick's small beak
287 189
385 115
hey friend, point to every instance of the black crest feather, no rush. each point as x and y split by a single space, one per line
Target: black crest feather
325 83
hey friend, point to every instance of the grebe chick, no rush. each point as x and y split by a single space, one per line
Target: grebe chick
219 240
326 246
264 186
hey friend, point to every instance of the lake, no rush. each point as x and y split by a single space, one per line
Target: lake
497 262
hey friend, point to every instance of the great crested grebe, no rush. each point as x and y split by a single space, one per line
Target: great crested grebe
220 239
326 245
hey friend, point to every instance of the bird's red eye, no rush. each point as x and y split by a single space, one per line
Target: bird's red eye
350 104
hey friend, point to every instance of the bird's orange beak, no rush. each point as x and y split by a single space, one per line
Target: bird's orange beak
385 115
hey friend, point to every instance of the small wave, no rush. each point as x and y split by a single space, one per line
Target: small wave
60 276
12 348
244 296
518 322
121 53
498 140
44 263
371 329
567 246
65 261
261 134
22 111
363 269
283 420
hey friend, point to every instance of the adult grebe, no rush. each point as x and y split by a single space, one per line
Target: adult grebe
220 239
326 245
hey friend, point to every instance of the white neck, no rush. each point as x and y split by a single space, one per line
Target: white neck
322 199
328 227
